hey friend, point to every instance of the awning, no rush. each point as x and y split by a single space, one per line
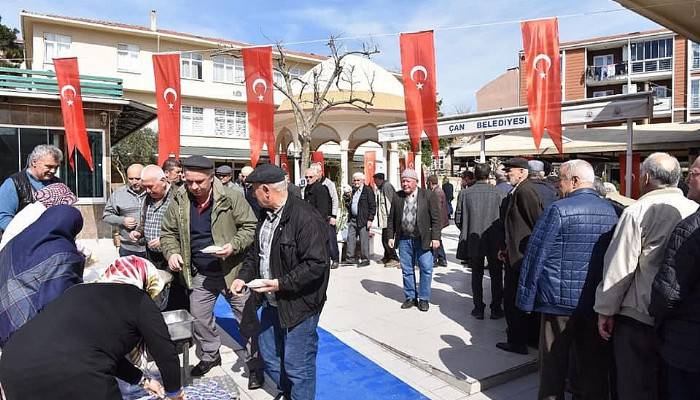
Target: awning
682 17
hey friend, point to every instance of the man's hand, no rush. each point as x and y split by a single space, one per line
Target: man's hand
605 326
175 263
271 286
435 244
154 388
135 235
332 221
152 244
369 224
237 287
225 252
390 243
129 223
502 255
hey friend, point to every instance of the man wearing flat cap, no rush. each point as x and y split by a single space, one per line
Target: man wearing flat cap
548 194
414 228
204 235
385 195
521 209
289 259
225 173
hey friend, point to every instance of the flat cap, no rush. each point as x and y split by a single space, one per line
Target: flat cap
410 174
379 175
516 162
535 166
224 170
197 162
266 173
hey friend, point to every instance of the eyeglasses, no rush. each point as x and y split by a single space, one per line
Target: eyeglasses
309 177
134 179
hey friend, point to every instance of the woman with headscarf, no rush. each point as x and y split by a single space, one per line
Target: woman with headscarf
37 266
77 346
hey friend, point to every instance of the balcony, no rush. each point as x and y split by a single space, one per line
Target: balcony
651 66
662 104
606 74
25 80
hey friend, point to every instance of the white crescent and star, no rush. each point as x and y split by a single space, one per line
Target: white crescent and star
422 69
543 74
260 81
171 105
66 88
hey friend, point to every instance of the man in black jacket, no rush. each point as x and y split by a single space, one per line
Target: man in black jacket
290 257
316 194
414 228
361 207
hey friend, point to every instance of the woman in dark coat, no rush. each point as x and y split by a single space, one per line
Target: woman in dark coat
38 265
78 344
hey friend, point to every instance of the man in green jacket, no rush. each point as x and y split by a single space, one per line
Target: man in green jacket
205 233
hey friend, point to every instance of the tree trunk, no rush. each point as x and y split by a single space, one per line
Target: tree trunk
305 152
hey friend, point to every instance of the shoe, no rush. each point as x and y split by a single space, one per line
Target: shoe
334 265
256 379
363 263
392 264
478 313
204 366
423 305
350 260
408 304
442 263
496 314
511 348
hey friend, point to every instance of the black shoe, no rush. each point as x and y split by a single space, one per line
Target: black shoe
478 313
363 263
334 265
423 305
408 304
350 260
256 379
204 366
496 314
442 263
511 348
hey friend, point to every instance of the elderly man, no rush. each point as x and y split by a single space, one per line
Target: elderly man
123 211
385 195
675 302
316 194
449 191
519 213
414 225
502 183
205 233
361 208
224 173
172 167
545 190
247 189
477 219
440 258
634 257
562 267
18 190
290 258
335 209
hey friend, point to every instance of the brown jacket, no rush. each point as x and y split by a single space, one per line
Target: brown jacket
521 210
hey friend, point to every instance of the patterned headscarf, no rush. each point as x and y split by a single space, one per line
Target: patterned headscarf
55 194
136 271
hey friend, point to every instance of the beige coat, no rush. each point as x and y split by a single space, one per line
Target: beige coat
636 253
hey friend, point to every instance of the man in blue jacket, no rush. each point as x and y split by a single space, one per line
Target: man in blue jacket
562 267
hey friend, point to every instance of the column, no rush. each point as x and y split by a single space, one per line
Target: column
344 164
392 171
385 158
419 165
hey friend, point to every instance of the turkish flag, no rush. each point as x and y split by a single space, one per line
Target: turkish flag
543 73
257 64
411 160
419 87
370 159
317 157
72 109
166 69
284 163
402 164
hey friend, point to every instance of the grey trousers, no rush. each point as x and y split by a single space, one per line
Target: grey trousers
205 290
353 232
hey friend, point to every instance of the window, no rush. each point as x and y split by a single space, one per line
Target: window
17 143
652 55
293 73
600 61
695 61
695 94
128 57
661 92
192 120
191 65
228 69
55 45
231 123
603 93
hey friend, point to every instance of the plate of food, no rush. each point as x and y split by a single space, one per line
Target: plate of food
211 249
256 283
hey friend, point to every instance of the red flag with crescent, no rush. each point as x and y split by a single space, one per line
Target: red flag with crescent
543 73
411 160
419 86
284 163
317 157
370 159
166 69
68 79
402 164
257 64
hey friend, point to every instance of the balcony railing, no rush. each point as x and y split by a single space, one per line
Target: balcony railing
25 80
695 103
654 65
662 104
606 72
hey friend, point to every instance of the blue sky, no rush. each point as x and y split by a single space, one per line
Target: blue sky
466 58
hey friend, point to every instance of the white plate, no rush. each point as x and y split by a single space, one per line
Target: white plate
211 249
256 283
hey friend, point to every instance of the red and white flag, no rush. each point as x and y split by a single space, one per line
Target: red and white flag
370 159
166 69
257 64
68 79
317 157
543 73
419 86
284 163
411 160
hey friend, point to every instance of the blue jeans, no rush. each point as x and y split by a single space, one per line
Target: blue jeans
410 254
290 354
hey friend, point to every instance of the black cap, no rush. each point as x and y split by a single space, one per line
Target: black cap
266 173
516 162
197 162
224 170
379 175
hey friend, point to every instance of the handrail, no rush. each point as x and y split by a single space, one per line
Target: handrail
45 81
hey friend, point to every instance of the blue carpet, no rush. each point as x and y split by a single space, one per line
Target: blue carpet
341 372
